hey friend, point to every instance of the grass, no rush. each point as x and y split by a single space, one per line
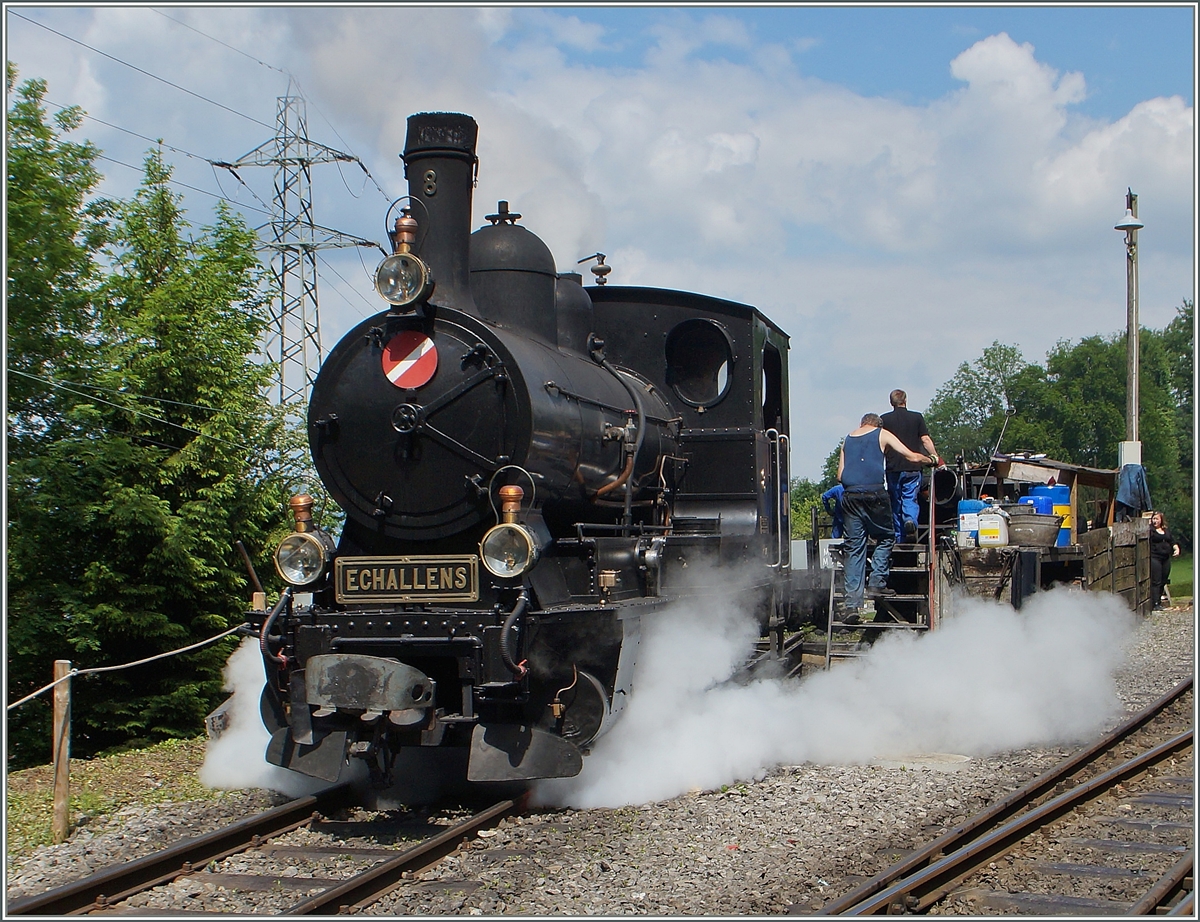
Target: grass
165 773
1182 578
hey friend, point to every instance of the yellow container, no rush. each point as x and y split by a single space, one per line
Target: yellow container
993 530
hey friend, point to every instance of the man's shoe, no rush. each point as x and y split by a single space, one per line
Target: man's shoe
879 592
851 617
910 531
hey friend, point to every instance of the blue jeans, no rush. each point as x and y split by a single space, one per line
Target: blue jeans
903 487
867 515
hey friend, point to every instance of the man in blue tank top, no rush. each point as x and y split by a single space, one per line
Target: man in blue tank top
867 509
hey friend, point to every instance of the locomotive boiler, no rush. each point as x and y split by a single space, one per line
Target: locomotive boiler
529 470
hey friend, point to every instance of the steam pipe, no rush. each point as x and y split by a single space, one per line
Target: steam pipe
597 353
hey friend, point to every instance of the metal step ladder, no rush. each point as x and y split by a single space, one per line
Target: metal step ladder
907 610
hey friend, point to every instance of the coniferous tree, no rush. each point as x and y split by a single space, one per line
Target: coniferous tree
142 469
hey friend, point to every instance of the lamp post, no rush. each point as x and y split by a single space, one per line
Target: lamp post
1131 449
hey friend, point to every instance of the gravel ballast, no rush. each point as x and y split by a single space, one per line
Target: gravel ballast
757 847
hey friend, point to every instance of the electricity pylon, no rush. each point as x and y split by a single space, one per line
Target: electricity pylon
294 339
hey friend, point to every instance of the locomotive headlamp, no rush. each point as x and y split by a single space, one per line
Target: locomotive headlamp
301 557
508 550
402 279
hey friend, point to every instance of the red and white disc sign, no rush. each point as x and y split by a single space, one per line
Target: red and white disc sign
410 359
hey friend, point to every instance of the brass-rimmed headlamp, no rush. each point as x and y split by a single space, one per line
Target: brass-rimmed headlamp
509 549
303 556
402 279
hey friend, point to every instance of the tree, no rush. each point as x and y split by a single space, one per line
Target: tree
122 527
54 234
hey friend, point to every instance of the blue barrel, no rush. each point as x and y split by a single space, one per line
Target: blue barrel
968 517
1061 498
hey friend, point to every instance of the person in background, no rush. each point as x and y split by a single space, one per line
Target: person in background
831 499
866 509
903 475
1162 549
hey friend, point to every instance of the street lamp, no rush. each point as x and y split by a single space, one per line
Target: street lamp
1130 451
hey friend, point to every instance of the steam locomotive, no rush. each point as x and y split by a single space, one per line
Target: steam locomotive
529 470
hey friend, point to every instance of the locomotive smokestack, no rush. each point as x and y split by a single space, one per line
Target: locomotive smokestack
439 163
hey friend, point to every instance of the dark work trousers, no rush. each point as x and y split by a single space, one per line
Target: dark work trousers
867 515
1160 575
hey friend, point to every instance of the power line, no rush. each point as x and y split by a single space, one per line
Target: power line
294 79
329 266
176 182
113 390
140 70
165 422
179 150
225 44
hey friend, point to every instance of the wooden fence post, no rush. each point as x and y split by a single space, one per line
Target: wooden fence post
62 750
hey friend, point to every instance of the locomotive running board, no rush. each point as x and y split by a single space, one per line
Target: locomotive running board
509 752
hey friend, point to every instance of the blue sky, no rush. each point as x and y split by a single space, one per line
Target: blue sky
902 52
897 186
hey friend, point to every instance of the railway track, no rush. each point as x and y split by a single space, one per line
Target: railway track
262 866
1106 832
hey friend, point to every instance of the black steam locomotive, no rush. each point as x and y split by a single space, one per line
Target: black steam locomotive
529 468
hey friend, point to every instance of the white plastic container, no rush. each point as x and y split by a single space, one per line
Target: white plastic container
993 529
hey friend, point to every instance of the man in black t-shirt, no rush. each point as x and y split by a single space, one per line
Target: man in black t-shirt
904 476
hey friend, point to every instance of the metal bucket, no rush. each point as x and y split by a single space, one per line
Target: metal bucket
1034 530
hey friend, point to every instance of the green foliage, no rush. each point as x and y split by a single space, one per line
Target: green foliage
53 237
804 496
139 471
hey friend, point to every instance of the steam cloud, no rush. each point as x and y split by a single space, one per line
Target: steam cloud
236 759
990 679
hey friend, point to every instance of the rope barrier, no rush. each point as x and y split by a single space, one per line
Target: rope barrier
148 659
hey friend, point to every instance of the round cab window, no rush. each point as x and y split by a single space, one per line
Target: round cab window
699 358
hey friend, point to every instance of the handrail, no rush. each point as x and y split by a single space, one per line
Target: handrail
773 439
785 500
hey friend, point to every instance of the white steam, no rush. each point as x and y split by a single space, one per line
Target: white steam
988 680
236 759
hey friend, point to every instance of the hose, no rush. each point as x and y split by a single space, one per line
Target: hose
266 628
517 669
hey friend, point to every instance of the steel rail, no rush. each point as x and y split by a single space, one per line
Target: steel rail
120 881
1004 809
1167 886
365 888
926 887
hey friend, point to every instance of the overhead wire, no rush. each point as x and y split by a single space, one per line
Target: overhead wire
113 390
293 79
176 182
157 419
351 286
140 70
179 150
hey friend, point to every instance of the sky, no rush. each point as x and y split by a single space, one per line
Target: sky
897 187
